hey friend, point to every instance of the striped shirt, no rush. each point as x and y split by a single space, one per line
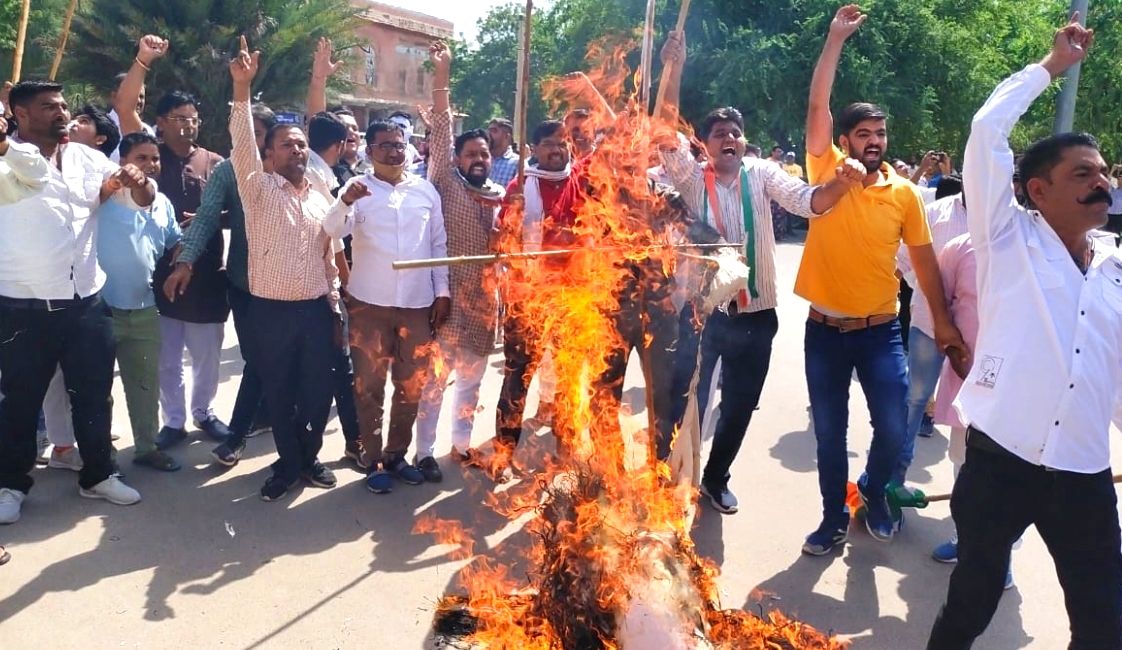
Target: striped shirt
290 255
504 167
768 182
947 218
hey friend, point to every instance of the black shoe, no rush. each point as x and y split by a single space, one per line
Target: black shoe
352 451
215 428
229 452
275 488
169 437
431 469
320 476
258 429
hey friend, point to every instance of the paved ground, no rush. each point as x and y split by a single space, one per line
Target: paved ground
203 563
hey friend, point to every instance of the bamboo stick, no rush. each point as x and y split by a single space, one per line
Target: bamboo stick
21 39
661 97
647 64
63 38
466 260
524 97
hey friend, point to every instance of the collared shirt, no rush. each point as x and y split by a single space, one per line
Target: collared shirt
48 233
321 176
129 243
468 222
220 198
1048 363
395 223
503 168
849 261
768 183
290 255
947 220
183 180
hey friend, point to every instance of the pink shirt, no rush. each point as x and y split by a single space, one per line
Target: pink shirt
959 269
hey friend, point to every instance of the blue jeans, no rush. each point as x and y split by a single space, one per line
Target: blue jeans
685 361
925 362
877 353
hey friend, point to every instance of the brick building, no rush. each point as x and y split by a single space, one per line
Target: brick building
390 73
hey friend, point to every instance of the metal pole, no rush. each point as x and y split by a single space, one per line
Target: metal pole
1065 108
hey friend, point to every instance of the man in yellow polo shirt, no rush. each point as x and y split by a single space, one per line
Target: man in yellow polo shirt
848 275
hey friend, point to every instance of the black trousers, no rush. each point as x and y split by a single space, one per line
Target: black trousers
35 340
659 352
522 352
249 402
295 355
996 497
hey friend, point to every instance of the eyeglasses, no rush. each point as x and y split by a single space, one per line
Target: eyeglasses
180 120
392 146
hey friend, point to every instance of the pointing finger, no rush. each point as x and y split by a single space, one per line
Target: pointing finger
242 45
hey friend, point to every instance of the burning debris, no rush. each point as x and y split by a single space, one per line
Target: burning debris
613 565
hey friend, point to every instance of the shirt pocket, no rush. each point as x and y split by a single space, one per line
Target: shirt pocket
86 189
1112 285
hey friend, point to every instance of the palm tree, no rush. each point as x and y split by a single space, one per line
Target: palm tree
203 37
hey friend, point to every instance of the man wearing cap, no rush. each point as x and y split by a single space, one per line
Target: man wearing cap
791 167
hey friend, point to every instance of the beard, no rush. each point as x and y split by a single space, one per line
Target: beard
475 174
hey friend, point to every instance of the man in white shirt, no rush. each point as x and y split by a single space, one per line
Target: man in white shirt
1046 369
393 314
947 219
51 312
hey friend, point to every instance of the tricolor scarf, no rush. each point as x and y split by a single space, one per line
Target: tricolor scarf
712 209
534 217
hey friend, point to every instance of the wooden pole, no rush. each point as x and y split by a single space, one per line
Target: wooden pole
661 98
524 98
63 38
21 38
648 57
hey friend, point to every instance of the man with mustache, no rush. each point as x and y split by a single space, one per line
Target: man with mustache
195 321
848 274
1044 385
51 310
391 215
460 171
292 312
734 194
504 159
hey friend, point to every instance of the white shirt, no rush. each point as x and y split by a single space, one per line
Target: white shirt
116 157
395 223
1048 363
48 236
323 180
947 218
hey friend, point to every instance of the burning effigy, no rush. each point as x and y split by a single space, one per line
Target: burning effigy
613 565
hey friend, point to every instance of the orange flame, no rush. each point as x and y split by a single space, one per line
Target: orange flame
612 530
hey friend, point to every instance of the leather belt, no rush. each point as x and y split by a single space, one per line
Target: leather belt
851 324
46 305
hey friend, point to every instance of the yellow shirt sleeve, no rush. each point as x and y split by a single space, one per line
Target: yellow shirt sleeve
822 168
917 232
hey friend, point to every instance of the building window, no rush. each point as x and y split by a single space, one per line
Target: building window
421 81
371 67
402 83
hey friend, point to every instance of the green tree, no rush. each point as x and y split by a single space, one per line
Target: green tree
43 28
203 38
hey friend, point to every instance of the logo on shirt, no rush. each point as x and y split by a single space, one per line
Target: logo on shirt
990 367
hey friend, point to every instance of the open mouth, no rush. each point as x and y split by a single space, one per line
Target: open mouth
872 154
728 151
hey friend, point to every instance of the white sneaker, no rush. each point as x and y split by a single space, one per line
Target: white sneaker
10 501
70 459
113 491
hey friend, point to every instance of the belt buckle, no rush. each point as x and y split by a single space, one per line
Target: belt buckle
846 325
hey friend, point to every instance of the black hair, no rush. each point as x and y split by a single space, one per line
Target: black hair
855 114
1043 156
544 130
325 130
264 114
133 140
271 136
341 110
504 123
174 99
776 147
726 114
749 148
23 93
948 186
402 114
104 127
380 126
468 136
